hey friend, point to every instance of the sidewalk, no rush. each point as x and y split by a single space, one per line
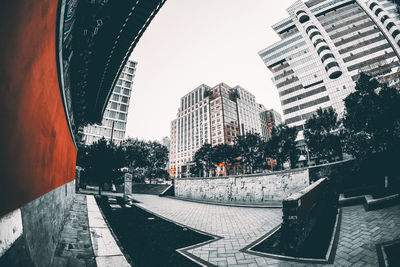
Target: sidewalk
75 246
86 239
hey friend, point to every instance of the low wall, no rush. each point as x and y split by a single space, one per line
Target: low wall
302 211
150 189
30 234
245 189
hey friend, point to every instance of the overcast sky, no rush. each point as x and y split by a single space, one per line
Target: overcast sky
191 42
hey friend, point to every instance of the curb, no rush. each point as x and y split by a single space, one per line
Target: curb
105 248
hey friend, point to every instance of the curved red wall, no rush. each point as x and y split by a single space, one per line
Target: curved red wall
37 153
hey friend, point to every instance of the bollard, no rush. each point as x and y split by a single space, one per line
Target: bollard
127 185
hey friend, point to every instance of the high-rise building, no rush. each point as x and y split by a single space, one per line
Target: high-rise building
324 46
115 116
273 119
269 118
214 115
248 111
263 121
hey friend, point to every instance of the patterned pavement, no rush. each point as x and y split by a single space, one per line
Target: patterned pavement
240 226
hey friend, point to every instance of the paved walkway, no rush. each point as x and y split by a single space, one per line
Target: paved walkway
86 240
75 247
240 226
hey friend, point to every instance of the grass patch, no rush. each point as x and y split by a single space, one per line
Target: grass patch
150 240
393 254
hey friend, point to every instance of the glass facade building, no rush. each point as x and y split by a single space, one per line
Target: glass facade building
324 46
115 116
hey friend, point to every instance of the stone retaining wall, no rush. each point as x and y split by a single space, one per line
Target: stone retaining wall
244 189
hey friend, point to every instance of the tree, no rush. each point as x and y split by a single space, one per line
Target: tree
145 158
372 118
372 123
249 147
397 2
282 145
196 170
136 157
136 153
322 135
157 159
202 159
224 154
103 162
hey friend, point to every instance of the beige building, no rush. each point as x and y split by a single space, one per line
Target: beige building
215 116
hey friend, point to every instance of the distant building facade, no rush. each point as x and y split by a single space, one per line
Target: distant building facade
273 119
269 118
115 116
263 121
324 46
214 115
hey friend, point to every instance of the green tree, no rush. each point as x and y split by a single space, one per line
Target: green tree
322 135
196 170
224 154
282 145
397 2
372 124
136 157
136 153
103 161
249 147
372 119
202 159
157 159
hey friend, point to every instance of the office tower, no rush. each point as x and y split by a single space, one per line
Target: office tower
248 111
273 119
215 116
323 48
115 116
263 121
269 119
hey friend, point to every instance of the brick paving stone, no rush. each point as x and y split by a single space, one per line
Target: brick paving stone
75 247
240 226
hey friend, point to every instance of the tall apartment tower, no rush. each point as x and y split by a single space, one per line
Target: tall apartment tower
214 115
116 114
248 111
324 46
269 118
263 121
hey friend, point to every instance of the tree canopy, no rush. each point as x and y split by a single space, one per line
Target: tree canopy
250 153
322 135
282 145
372 118
103 160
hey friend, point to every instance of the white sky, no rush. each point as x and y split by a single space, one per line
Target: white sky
191 42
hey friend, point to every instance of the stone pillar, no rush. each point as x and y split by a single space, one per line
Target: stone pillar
77 178
127 185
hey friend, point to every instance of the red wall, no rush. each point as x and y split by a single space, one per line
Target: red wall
37 153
